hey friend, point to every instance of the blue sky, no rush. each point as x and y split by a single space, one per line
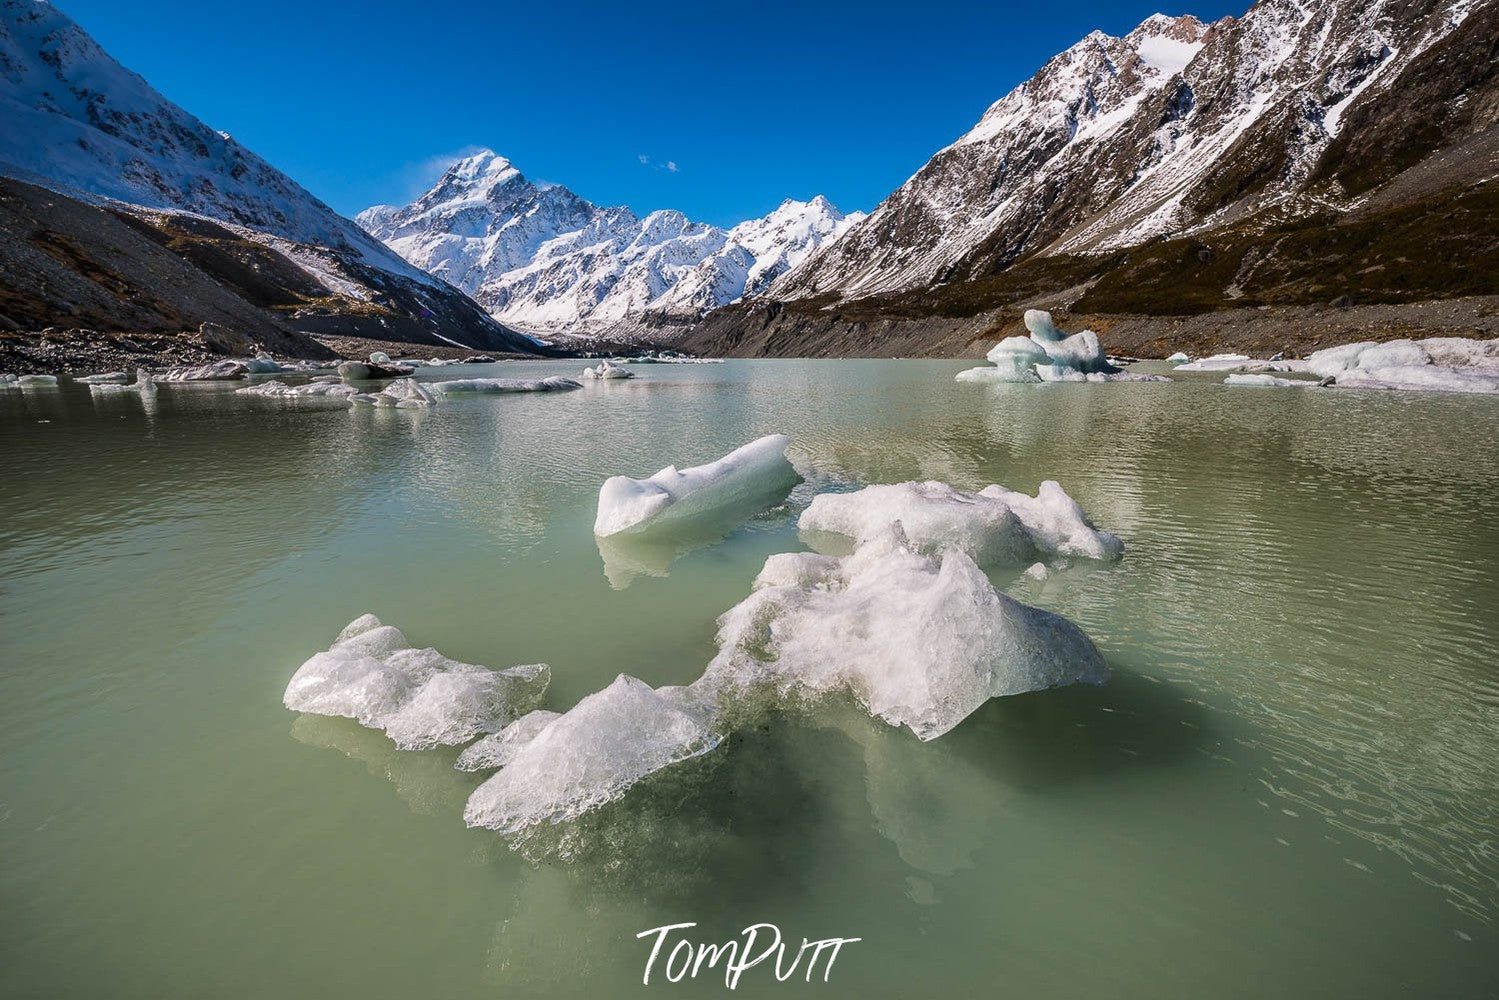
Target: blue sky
362 102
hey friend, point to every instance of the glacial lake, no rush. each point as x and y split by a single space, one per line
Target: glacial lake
1289 787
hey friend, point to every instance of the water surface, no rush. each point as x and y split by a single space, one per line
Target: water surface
1290 787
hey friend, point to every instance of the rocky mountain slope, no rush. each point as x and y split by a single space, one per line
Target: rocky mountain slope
543 259
73 120
1308 152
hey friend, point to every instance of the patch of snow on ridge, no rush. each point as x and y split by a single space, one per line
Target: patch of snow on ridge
421 698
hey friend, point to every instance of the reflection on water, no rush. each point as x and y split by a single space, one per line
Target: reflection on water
1289 787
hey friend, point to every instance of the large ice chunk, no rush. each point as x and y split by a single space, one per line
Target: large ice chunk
406 393
1268 381
460 386
144 384
214 372
994 527
590 755
1049 355
1236 363
673 499
1445 364
418 696
607 370
920 641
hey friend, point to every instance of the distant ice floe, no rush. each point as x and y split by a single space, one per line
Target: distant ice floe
606 370
405 394
559 767
318 388
1238 363
464 386
1268 381
1442 364
144 385
994 527
669 359
1049 355
419 697
103 378
920 641
1178 358
216 371
673 499
27 381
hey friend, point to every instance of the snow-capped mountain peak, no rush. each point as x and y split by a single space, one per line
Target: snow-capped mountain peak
542 258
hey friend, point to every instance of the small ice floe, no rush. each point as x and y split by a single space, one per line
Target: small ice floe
28 381
263 364
920 641
7 380
994 527
144 384
316 389
1178 358
406 393
419 697
464 386
1049 355
1236 363
1442 364
673 499
216 371
667 358
377 367
104 378
607 370
1037 572
1268 381
557 767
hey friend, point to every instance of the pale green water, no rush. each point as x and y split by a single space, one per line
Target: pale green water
1290 787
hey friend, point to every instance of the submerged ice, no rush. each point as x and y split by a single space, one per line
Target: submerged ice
558 767
418 696
675 499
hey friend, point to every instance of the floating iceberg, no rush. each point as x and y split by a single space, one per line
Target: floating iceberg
994 527
1237 363
558 767
7 380
1178 358
215 372
1267 381
920 641
419 697
501 385
1049 355
1444 364
498 749
607 370
675 500
263 364
28 381
103 378
144 384
314 389
403 393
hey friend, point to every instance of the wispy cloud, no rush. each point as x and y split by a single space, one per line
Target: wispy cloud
670 166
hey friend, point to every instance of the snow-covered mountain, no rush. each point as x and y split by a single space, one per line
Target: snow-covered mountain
74 120
1176 127
541 258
